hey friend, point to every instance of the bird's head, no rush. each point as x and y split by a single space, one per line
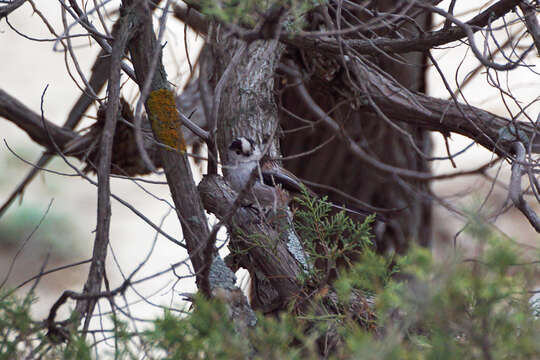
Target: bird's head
243 149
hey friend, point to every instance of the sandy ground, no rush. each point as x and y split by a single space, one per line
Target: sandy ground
27 67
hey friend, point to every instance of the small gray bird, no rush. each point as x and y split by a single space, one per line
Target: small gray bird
273 187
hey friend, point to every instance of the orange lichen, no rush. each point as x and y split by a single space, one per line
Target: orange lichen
165 119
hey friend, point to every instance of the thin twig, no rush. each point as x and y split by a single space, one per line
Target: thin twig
23 244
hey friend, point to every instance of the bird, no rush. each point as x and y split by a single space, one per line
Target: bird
272 190
274 187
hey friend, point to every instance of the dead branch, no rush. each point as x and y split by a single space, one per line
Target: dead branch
101 243
9 8
529 12
515 192
175 163
97 80
493 132
192 18
422 43
162 111
30 122
510 65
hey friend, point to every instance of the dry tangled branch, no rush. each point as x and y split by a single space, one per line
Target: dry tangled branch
340 83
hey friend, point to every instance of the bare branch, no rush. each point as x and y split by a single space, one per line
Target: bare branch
472 44
82 19
493 132
426 42
96 82
9 8
16 112
145 89
530 12
515 187
162 111
192 18
97 267
201 133
175 163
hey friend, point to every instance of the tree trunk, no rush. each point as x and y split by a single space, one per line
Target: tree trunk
335 166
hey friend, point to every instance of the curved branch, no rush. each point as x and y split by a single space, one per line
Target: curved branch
307 41
529 12
470 36
192 18
101 243
9 8
175 164
31 123
515 187
491 131
426 42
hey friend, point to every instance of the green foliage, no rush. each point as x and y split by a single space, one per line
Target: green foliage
54 232
207 333
332 240
76 348
463 309
248 12
278 338
21 337
458 308
15 324
371 273
122 337
426 309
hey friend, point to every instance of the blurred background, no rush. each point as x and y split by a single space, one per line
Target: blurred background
66 233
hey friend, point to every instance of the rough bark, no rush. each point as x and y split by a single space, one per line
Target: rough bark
248 106
242 104
267 247
213 277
